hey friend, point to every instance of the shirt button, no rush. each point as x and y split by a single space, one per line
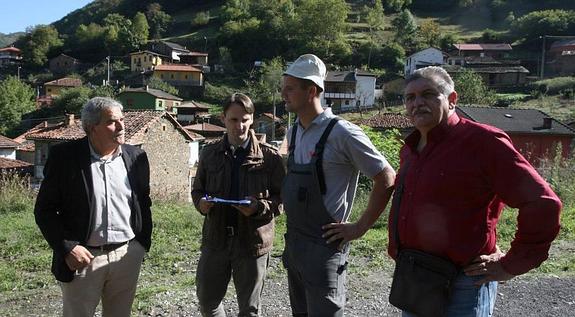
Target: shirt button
403 218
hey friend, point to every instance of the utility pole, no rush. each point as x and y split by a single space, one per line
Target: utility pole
19 72
274 116
542 57
205 44
108 67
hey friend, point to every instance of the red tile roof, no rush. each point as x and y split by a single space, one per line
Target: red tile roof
483 47
65 82
6 163
200 127
136 122
177 68
193 105
7 143
10 49
271 116
387 121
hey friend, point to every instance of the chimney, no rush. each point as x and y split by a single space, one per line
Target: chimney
547 123
70 120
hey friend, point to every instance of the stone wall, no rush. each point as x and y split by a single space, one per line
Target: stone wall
168 152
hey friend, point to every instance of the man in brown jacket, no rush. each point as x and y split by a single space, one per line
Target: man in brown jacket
236 240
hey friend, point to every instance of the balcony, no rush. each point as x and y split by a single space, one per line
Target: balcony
338 95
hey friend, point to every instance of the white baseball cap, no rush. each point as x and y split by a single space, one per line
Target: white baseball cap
310 67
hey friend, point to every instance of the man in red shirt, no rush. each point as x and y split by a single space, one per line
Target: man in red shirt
458 178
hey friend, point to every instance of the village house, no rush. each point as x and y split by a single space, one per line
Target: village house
64 64
534 133
497 51
428 57
145 98
270 125
10 56
494 75
188 79
8 160
349 90
207 130
561 60
143 61
191 111
54 88
198 59
169 49
156 132
9 166
8 147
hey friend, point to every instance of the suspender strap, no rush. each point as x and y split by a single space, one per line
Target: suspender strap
396 204
291 148
319 147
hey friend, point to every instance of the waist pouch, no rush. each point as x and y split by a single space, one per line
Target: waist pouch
422 283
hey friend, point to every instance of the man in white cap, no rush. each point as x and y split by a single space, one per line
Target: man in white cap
326 155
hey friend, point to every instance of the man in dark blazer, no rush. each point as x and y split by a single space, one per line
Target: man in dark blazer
93 209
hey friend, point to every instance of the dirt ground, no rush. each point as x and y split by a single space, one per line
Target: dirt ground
530 295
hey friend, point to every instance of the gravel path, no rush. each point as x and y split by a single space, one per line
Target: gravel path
531 295
525 296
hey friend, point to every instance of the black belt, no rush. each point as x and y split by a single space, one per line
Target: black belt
231 231
109 247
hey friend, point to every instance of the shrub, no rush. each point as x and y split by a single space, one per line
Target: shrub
552 86
201 18
389 143
15 193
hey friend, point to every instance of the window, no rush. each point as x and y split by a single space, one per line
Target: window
144 58
347 102
172 76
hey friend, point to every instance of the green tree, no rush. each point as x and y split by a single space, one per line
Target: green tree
471 89
38 43
159 20
429 33
446 42
322 31
375 18
393 55
201 18
157 83
265 88
140 30
397 5
405 29
89 36
538 23
16 99
72 100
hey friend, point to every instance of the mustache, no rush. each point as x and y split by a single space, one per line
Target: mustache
421 110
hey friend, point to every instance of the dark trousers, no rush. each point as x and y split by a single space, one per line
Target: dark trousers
217 267
316 277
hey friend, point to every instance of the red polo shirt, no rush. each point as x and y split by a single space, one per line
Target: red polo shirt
455 189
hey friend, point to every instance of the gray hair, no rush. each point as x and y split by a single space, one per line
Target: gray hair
92 111
435 74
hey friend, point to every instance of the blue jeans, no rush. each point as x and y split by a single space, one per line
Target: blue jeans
468 300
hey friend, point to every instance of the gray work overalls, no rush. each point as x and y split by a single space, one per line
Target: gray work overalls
316 270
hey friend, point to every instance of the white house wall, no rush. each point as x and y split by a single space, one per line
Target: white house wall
365 90
8 153
429 56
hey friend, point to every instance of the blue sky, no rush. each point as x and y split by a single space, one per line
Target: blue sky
16 15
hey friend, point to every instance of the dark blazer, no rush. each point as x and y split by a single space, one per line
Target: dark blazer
63 208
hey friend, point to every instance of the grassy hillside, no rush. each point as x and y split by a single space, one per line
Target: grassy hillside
7 39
